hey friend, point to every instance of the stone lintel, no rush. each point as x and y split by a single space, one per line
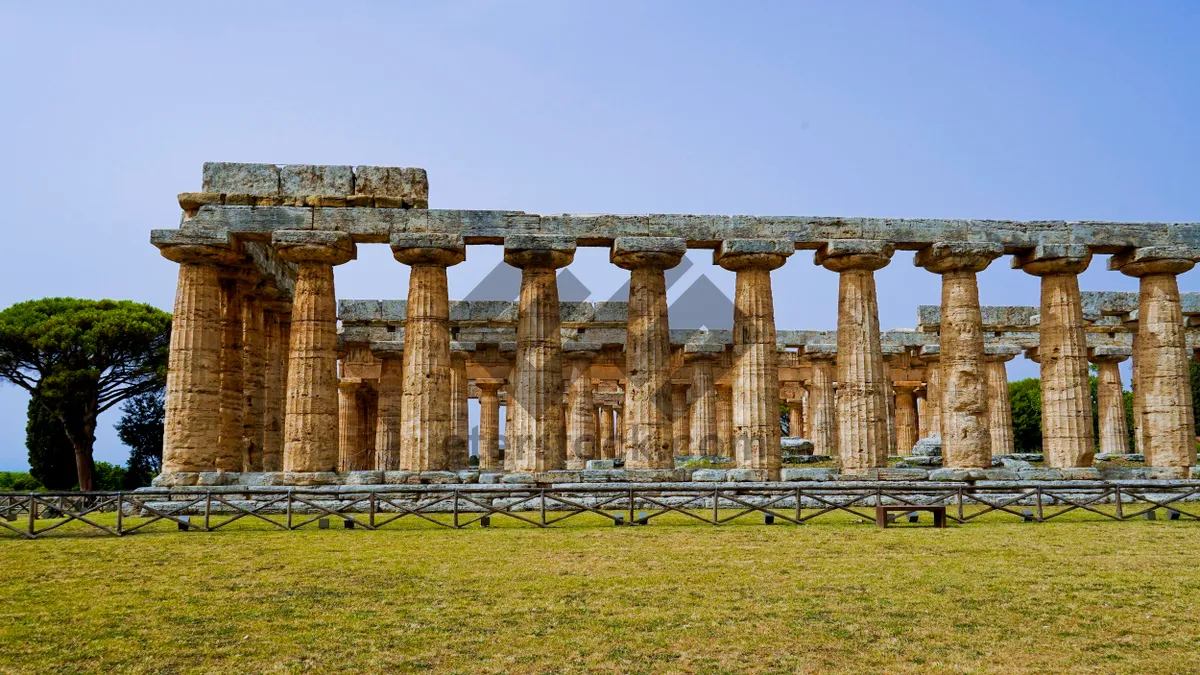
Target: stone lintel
1053 259
539 250
486 383
944 257
461 347
387 348
660 252
216 247
930 352
333 248
416 248
1109 354
846 254
735 254
1137 262
821 351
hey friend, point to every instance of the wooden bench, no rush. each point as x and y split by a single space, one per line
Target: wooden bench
939 513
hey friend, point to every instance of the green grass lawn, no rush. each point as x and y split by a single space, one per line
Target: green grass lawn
1076 595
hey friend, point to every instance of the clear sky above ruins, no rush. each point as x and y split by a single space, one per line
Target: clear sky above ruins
1080 110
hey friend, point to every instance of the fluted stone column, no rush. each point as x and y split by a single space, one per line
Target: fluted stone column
1067 437
796 417
273 348
680 433
254 382
537 419
648 408
608 448
618 433
999 418
822 402
861 403
889 395
966 440
311 421
755 358
906 420
352 454
724 420
368 406
1168 427
1110 398
193 398
233 401
285 357
388 427
581 413
705 439
425 408
506 457
922 414
489 423
1139 441
459 446
931 357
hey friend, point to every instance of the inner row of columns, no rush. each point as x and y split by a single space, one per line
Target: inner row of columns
223 329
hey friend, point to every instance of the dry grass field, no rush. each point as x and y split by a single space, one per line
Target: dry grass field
1078 595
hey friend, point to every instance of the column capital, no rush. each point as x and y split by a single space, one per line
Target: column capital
655 252
943 257
840 255
742 254
1109 354
1000 353
489 384
414 248
821 352
387 349
581 351
315 246
1053 259
539 250
204 247
1136 262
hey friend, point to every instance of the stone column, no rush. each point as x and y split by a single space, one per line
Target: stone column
254 382
755 358
425 414
388 428
311 420
648 407
581 413
861 402
906 420
1067 437
274 461
796 417
608 449
233 397
822 403
368 406
922 414
1110 398
193 399
1139 441
724 420
351 452
931 357
489 423
619 425
1168 428
506 457
680 433
999 417
459 445
273 347
705 439
537 415
889 395
966 441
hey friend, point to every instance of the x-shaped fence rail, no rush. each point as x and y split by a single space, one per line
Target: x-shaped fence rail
33 515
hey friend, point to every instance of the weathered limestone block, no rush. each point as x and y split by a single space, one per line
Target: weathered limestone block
1110 399
581 413
647 425
999 408
537 423
861 403
965 436
822 405
1168 431
193 397
311 420
425 415
407 187
1066 397
755 361
310 179
388 426
489 423
240 178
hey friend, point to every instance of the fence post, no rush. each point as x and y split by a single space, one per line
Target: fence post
1039 504
289 509
120 513
32 515
1120 510
371 517
456 525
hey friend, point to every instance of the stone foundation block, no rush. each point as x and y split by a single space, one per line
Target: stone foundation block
794 445
213 478
1040 474
467 477
1000 474
176 479
490 478
709 475
745 475
438 477
598 475
601 464
398 477
806 474
928 447
519 478
1166 472
364 478
1081 473
312 478
557 476
958 475
903 474
254 479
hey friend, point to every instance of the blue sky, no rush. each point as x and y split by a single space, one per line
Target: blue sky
1071 110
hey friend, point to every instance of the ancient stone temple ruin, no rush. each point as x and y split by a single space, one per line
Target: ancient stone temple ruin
265 388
